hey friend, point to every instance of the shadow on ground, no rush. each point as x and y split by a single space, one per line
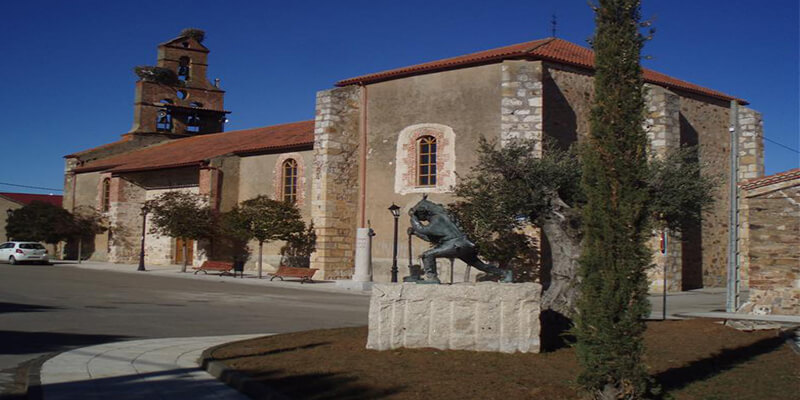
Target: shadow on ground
698 370
276 351
20 308
168 384
16 342
319 386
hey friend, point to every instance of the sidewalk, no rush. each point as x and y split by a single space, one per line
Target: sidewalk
701 300
250 277
142 369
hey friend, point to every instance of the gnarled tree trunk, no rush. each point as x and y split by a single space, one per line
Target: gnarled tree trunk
565 247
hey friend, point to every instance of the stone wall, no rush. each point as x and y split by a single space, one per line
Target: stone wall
662 125
125 220
568 94
751 144
335 183
464 101
521 115
486 316
773 244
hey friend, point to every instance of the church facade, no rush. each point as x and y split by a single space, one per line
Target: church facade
387 138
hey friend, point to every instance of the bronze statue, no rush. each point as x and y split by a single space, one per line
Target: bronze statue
447 239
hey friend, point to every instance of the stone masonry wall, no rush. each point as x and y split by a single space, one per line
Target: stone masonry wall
751 165
125 218
662 124
521 102
773 253
334 201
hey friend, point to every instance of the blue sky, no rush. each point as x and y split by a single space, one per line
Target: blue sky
68 83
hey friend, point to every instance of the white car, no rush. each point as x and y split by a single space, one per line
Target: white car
17 252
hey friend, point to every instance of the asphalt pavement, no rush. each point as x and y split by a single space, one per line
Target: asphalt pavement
46 310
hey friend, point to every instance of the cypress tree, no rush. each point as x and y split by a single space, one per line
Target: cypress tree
613 264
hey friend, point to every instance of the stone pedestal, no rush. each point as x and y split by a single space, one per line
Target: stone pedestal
486 316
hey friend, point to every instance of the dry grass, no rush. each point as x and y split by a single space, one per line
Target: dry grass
693 359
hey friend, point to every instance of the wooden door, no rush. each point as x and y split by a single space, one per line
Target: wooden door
179 250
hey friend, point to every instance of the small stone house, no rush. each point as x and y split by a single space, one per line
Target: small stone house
770 243
386 138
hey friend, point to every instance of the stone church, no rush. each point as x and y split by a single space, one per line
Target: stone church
383 139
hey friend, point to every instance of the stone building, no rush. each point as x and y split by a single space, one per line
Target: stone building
388 137
770 243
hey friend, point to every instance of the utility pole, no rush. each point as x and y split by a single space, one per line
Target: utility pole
732 298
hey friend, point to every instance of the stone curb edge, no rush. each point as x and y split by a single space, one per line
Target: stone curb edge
33 384
235 379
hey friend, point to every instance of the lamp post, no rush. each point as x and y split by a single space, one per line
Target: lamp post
395 210
144 226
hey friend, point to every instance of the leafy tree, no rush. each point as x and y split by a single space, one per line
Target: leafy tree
616 218
182 215
86 223
40 222
264 220
510 187
298 248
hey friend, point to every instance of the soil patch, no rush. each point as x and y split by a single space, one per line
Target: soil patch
691 359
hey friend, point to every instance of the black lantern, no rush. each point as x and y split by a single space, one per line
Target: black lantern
395 210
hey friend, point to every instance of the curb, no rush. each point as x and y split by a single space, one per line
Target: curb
33 383
241 382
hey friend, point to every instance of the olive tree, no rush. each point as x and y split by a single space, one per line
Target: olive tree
510 187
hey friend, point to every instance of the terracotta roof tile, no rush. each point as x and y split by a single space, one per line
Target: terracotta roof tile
125 138
28 198
551 49
771 179
193 150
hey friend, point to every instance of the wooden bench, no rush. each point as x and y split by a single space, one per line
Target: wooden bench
304 274
224 267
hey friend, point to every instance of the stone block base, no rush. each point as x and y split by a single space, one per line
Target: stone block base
486 316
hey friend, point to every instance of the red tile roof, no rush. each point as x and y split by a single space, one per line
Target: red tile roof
550 49
125 138
194 150
771 179
28 198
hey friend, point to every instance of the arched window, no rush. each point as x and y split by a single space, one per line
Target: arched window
289 192
105 200
183 68
426 161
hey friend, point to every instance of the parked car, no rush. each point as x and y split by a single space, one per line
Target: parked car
17 252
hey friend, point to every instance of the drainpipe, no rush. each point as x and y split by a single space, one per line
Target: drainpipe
362 165
732 298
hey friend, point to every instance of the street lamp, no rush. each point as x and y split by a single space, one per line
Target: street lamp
395 210
145 209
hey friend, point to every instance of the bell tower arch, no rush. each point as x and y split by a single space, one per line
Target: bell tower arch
175 98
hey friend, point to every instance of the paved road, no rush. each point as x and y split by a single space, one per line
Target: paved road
47 309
